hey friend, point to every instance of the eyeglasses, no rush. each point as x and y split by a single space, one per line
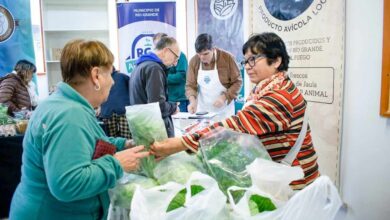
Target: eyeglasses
177 56
252 60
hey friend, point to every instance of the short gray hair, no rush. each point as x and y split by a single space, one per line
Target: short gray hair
165 42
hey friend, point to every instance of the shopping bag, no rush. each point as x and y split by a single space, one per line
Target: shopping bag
153 203
177 168
320 200
122 194
209 204
274 178
146 126
226 154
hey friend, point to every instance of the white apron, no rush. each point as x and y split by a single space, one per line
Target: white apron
209 89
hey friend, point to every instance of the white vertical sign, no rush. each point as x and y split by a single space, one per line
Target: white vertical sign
313 31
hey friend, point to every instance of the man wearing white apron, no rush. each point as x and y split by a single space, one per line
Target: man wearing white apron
210 89
213 79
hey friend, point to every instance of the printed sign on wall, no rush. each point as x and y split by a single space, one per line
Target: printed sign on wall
137 23
313 31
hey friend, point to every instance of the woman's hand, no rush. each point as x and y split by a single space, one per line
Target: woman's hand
167 147
129 159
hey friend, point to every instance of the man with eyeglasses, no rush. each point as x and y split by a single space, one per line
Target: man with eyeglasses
176 77
148 81
213 79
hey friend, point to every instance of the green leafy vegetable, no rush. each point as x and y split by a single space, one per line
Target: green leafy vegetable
180 198
226 155
177 168
122 194
146 126
258 204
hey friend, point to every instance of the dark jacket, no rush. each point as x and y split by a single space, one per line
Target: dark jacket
148 84
118 98
14 93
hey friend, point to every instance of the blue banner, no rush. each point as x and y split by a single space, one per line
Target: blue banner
137 24
16 41
223 20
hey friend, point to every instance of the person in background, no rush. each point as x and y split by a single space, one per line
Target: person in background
113 112
68 162
176 78
148 81
273 112
213 79
16 88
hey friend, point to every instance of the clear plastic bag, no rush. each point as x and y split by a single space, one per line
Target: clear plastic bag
122 194
226 154
177 168
146 126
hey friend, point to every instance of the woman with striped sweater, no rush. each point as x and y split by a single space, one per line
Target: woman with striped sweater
274 110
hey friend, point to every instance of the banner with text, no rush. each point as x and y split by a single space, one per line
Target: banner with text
16 41
223 20
313 31
137 24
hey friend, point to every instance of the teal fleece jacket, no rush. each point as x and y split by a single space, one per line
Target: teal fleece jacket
59 178
177 80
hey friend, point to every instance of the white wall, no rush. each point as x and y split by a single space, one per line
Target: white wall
365 151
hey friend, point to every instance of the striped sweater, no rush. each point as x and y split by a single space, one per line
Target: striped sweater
274 113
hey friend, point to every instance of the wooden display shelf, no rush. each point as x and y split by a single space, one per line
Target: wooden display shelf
385 91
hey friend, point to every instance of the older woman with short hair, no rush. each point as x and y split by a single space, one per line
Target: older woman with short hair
273 112
63 176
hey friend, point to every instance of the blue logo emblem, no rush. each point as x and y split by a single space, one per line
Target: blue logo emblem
207 79
141 45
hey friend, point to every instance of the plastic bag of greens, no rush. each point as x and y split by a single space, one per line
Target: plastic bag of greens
122 194
226 154
146 126
4 118
320 201
199 199
177 168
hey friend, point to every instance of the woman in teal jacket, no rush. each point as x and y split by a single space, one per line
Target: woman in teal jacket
60 179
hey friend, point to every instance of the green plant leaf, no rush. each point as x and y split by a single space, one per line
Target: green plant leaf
180 198
258 204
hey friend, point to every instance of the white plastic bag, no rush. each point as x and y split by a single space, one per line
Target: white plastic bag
209 204
274 178
320 200
151 204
